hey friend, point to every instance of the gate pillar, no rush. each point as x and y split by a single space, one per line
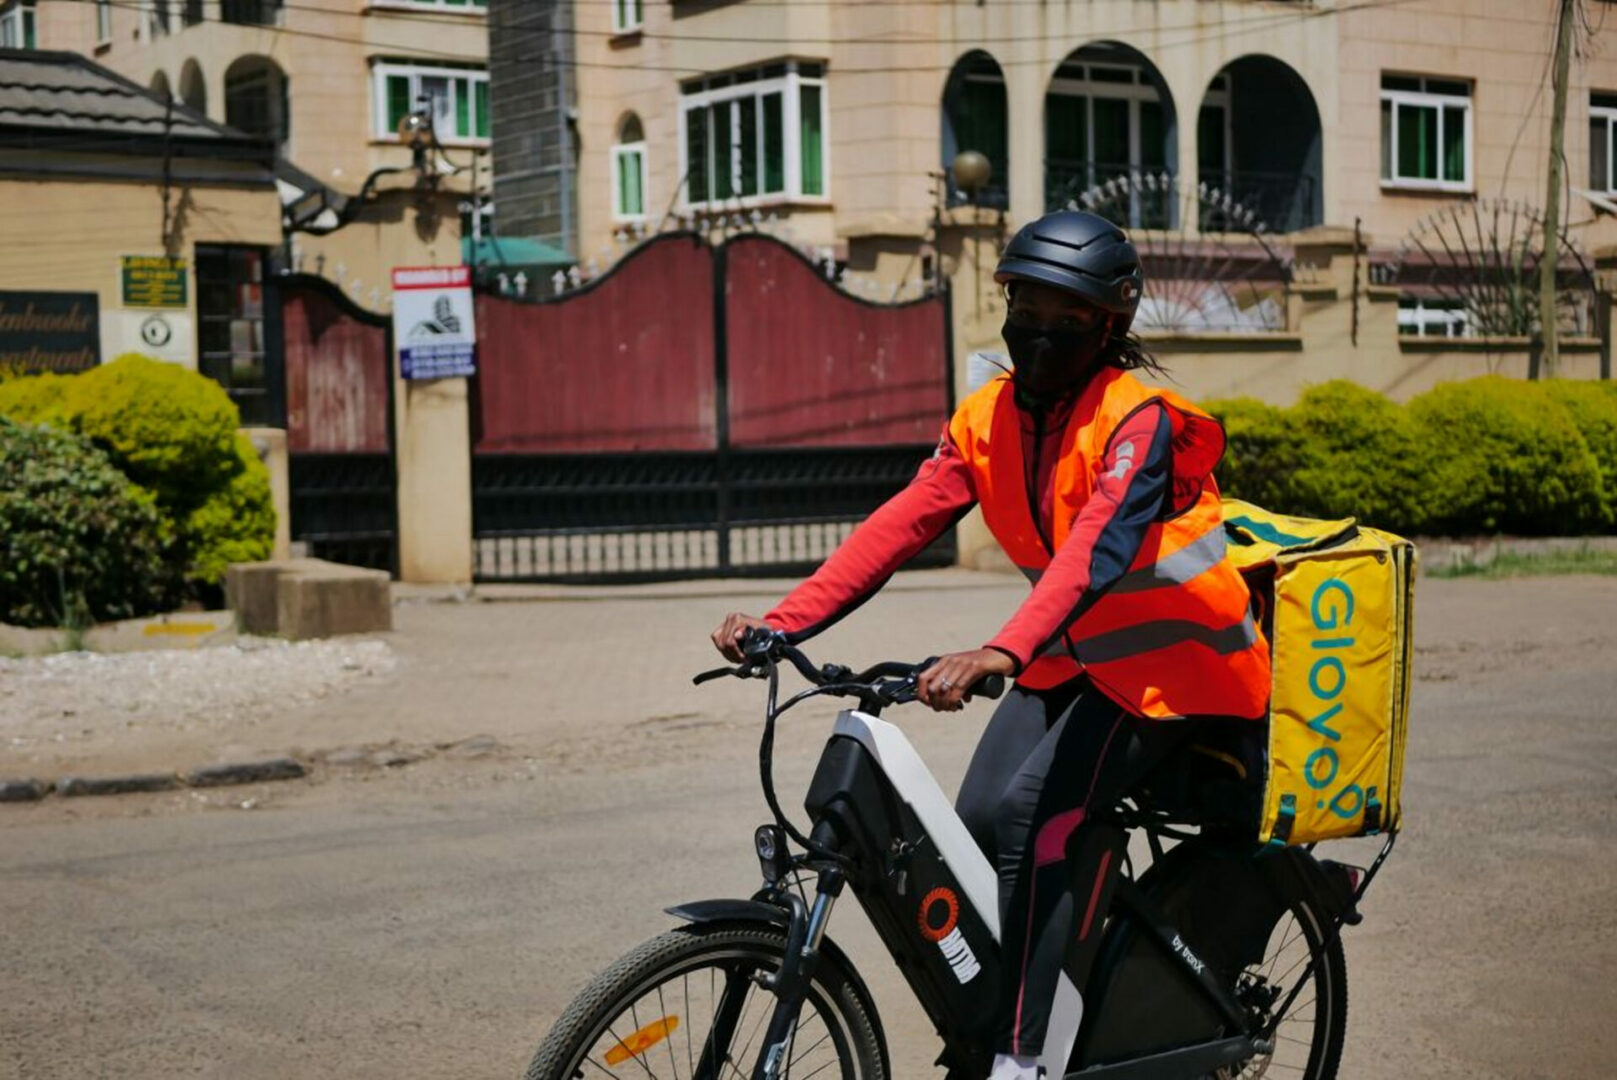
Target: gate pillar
435 481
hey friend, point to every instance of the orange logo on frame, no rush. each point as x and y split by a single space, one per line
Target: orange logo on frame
939 902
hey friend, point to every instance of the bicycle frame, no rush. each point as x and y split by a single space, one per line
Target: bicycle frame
934 899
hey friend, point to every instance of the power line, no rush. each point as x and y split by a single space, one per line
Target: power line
1245 26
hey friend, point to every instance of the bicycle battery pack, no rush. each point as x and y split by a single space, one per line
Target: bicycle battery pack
927 912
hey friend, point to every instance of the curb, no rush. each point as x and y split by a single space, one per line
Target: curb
249 772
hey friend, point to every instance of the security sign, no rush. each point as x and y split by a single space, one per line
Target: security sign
433 325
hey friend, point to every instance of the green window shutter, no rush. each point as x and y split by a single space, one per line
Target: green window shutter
1111 138
719 126
481 87
1417 142
1211 153
635 194
774 143
463 107
696 185
1454 144
1599 153
813 136
1386 139
748 108
979 124
1153 136
398 101
1066 128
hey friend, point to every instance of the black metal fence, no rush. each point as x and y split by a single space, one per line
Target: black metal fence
345 508
628 517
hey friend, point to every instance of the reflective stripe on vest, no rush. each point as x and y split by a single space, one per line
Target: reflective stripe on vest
1161 634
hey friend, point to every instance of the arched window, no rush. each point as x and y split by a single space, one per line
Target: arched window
256 100
974 118
193 89
629 171
1259 145
159 85
1108 118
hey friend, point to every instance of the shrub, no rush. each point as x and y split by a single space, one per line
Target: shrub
1363 458
34 399
171 430
236 523
1593 409
1263 449
78 541
1504 456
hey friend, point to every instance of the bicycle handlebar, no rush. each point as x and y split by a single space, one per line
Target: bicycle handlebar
891 682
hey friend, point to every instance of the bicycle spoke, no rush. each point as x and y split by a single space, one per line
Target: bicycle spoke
662 1008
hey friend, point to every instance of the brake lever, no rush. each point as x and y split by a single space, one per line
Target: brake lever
743 671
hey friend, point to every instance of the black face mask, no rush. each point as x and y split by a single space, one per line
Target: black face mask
1051 362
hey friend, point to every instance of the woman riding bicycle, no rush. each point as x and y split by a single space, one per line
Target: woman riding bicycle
1101 491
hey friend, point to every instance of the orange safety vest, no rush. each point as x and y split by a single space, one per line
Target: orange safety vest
1175 636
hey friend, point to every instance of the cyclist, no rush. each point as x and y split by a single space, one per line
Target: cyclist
1100 489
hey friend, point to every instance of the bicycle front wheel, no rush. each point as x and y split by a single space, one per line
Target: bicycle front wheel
687 1005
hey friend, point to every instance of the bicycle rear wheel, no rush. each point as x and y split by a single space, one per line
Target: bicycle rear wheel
686 1005
1308 1041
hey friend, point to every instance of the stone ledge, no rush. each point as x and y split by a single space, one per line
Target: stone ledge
300 599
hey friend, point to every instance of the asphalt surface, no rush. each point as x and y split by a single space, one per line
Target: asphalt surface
431 919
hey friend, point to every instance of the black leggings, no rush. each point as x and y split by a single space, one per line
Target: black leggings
1046 761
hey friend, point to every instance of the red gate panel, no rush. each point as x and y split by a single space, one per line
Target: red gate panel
337 370
626 363
810 365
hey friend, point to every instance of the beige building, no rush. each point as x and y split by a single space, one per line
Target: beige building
1302 175
327 82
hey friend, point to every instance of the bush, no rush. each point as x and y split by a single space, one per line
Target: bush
236 523
1263 449
78 541
1593 409
171 430
1363 458
1504 456
34 399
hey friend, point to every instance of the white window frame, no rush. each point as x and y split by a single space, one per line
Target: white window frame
103 22
628 16
1442 319
1440 102
1607 113
382 69
790 86
22 23
470 7
621 152
153 25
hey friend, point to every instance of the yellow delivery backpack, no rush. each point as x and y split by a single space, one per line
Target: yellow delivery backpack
1335 601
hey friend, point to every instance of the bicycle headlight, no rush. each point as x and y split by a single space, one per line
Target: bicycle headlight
773 858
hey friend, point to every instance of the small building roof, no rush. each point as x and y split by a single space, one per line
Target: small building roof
64 100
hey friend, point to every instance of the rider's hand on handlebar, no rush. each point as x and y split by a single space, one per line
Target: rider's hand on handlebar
943 686
727 638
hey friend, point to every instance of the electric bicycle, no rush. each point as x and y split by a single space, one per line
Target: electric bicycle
1218 959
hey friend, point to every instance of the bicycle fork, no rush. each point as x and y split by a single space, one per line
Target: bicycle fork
790 984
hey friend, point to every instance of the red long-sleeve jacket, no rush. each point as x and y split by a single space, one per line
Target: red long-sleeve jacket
1103 541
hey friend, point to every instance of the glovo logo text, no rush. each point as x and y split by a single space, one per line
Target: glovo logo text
1331 607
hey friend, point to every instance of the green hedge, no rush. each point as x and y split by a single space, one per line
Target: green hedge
78 541
1485 455
173 433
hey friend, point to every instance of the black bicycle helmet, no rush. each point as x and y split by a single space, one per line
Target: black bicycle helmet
1082 253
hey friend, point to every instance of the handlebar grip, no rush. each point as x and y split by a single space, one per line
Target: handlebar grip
989 686
709 676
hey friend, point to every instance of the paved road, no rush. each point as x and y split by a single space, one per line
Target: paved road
430 920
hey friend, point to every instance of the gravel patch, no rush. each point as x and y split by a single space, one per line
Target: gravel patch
73 697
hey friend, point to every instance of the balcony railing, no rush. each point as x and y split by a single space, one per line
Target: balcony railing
1282 201
1134 196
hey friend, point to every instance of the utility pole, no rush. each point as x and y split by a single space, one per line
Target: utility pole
1552 199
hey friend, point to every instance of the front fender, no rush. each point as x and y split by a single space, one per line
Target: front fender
703 912
712 911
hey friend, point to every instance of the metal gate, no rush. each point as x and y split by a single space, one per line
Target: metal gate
331 361
700 410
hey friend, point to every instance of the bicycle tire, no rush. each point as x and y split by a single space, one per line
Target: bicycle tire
590 1021
1328 1002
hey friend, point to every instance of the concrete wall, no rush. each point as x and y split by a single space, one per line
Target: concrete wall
68 235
